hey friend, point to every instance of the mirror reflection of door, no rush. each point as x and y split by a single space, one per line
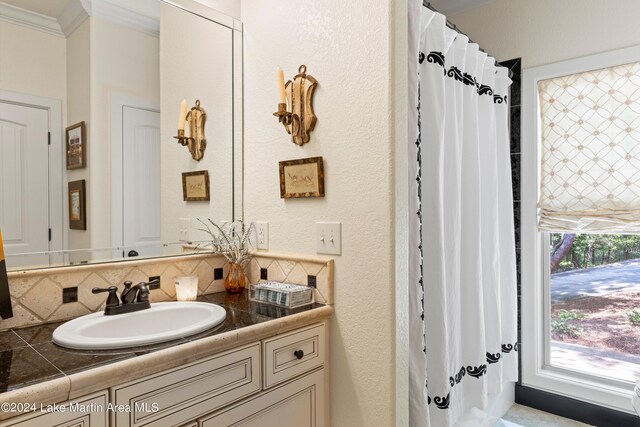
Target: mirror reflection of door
24 183
141 181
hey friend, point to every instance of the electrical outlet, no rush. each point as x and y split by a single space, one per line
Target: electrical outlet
262 234
329 238
311 281
184 228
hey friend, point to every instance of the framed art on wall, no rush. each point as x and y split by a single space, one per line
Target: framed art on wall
76 137
302 178
195 186
77 205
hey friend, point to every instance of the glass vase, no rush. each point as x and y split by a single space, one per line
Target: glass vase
236 280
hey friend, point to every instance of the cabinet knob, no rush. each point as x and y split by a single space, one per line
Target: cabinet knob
299 354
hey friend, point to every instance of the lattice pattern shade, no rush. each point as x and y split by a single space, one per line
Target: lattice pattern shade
590 152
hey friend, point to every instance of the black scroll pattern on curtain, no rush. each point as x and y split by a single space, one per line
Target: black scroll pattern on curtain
467 79
421 58
442 402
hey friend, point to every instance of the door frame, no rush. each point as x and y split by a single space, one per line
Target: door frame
118 102
57 179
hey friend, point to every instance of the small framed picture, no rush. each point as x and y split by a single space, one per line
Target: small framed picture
76 138
77 205
302 178
195 186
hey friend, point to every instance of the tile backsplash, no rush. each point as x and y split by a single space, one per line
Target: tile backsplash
37 295
295 269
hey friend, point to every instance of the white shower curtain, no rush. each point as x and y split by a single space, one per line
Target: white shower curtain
463 278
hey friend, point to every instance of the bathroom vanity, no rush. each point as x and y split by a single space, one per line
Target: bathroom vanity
264 366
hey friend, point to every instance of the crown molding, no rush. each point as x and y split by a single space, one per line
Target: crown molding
26 18
73 15
121 15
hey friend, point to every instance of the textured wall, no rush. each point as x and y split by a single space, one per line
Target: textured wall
210 81
79 109
131 69
32 62
349 52
547 31
228 7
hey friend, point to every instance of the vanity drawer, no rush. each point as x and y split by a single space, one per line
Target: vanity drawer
293 354
180 395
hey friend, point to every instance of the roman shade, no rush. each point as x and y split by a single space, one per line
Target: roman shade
590 151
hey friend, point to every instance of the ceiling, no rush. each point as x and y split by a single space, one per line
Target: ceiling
52 8
451 7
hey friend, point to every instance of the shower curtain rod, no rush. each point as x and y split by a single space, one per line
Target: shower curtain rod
455 28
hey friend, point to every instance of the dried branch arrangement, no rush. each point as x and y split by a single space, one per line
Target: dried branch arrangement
231 239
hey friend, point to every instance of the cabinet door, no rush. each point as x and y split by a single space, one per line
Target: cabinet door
297 404
175 397
90 411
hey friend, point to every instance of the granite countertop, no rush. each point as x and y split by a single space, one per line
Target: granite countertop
29 357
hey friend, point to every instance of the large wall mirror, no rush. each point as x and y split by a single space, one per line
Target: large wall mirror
121 68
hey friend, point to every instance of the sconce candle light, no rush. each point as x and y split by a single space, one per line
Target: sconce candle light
196 118
301 120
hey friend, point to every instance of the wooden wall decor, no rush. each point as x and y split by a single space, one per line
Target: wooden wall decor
76 146
77 205
195 186
302 178
301 119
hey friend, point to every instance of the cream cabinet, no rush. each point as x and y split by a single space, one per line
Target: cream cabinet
176 397
88 411
299 403
278 381
292 354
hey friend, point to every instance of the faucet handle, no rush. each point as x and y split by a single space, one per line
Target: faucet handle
145 287
112 299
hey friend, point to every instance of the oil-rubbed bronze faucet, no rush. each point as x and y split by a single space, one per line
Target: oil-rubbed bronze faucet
132 298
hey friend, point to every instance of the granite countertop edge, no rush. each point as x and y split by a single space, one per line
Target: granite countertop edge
124 371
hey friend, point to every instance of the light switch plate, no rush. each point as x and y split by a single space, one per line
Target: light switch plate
329 238
262 234
184 228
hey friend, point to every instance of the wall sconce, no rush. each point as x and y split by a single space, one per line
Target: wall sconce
196 119
300 121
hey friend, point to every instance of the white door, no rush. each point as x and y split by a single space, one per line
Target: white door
24 183
141 181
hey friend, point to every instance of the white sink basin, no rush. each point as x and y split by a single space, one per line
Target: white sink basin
164 321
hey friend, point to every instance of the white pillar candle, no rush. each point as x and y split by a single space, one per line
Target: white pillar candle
282 99
183 114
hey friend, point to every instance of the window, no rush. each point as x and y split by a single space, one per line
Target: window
594 285
580 225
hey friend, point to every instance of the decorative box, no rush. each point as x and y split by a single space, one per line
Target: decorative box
282 294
